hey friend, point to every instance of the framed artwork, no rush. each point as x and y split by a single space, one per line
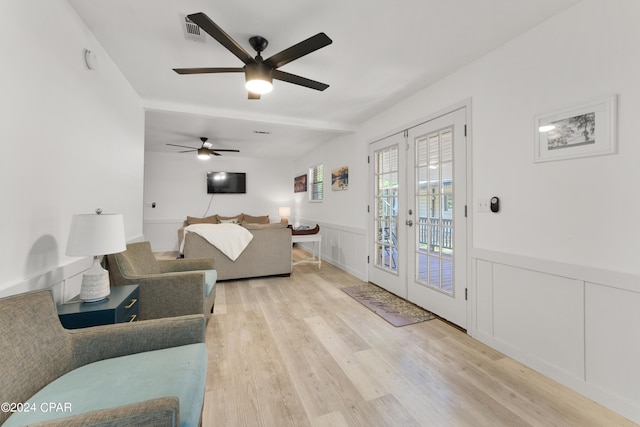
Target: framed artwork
581 131
300 184
340 178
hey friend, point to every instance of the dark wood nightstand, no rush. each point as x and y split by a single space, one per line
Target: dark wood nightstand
121 306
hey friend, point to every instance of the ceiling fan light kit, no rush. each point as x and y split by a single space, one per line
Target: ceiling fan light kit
203 154
259 78
259 73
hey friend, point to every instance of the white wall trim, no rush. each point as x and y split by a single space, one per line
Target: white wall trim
601 276
345 228
55 279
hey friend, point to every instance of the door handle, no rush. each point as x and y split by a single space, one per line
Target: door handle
409 222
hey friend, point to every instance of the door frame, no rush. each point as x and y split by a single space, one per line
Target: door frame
470 274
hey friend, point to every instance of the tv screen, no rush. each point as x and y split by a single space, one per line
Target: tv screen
226 182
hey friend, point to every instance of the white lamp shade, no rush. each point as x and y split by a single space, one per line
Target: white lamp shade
93 234
284 211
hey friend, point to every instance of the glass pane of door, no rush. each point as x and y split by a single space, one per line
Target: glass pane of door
434 204
386 195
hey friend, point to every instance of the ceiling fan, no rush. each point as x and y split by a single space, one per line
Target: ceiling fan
259 73
206 150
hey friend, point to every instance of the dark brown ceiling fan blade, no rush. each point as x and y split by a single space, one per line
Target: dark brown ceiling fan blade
253 95
208 70
299 50
297 80
211 151
211 28
182 146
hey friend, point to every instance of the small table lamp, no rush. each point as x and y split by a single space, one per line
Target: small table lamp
96 235
285 213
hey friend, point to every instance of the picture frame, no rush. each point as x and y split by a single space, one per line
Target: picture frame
300 184
585 130
340 178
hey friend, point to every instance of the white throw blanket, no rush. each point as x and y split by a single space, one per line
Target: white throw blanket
230 239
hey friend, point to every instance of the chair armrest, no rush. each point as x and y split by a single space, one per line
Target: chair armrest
191 264
170 294
162 412
107 341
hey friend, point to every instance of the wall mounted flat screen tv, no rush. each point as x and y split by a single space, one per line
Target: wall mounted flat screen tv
226 183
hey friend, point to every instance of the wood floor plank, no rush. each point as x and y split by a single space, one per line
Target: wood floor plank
322 386
297 351
333 419
367 385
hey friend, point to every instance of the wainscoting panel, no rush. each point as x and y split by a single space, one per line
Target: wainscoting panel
342 246
484 296
613 331
576 324
541 314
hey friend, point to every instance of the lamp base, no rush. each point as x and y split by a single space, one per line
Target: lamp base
95 283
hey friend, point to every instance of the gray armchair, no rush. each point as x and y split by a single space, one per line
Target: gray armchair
168 288
142 373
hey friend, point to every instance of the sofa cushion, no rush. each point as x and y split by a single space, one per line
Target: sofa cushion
177 371
264 219
213 219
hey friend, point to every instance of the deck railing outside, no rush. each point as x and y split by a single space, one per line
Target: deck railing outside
441 232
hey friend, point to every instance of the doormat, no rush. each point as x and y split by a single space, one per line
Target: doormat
393 309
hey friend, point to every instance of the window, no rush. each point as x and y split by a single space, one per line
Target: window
316 178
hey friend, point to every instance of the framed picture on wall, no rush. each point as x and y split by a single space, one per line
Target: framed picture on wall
340 178
585 130
300 184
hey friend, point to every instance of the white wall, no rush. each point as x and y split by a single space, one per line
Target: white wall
72 141
341 214
555 279
177 183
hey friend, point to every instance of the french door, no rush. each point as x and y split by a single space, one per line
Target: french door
418 222
387 158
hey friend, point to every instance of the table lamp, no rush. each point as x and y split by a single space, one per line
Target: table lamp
96 235
285 213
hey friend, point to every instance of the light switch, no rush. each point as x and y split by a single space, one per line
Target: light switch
482 205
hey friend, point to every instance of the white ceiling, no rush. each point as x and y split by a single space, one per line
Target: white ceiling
382 52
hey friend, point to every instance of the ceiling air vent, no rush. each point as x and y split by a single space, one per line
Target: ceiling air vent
192 31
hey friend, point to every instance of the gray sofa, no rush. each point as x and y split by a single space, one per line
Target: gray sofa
268 254
149 373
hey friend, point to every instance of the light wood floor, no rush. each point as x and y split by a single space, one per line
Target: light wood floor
298 351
